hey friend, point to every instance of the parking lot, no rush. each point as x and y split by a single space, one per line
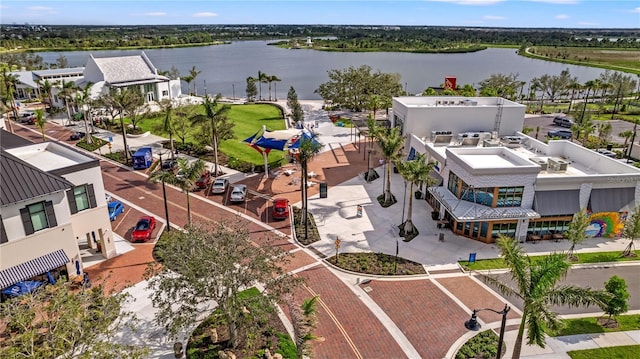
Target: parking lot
546 124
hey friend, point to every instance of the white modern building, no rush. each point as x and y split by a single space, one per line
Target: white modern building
52 199
134 72
493 179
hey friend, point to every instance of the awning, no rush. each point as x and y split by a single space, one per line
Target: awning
612 199
32 268
436 176
465 211
548 203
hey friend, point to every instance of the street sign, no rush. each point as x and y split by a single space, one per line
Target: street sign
337 242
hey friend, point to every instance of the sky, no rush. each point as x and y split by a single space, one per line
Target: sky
470 13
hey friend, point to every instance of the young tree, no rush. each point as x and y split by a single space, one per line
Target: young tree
416 172
631 230
619 301
304 321
57 322
297 115
251 90
206 266
215 117
535 283
62 62
604 132
40 121
576 232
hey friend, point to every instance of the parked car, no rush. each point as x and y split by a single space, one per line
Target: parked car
115 208
280 209
143 229
238 193
77 135
203 181
170 164
28 119
563 134
607 153
220 185
563 121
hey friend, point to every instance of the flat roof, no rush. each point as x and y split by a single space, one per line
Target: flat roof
49 156
488 161
454 101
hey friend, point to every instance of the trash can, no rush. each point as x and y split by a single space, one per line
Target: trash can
323 189
472 257
441 237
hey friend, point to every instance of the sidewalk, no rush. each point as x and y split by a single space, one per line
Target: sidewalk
557 347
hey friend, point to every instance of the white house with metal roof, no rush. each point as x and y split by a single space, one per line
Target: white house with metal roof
52 199
495 180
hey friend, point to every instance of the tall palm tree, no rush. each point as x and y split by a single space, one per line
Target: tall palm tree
189 174
193 73
271 79
631 230
188 80
391 143
574 87
215 117
416 172
626 135
67 89
122 100
84 102
167 107
159 175
40 121
535 283
589 85
262 78
309 147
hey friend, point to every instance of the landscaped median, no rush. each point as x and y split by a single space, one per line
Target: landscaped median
583 258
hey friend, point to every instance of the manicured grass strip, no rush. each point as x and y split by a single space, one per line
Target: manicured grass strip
583 258
622 352
590 325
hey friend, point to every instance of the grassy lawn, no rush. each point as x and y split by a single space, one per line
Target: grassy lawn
590 325
248 119
622 352
616 59
583 258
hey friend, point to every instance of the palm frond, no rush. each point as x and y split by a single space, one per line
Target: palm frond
517 261
574 296
505 289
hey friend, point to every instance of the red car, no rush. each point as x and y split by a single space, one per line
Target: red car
203 181
144 228
280 208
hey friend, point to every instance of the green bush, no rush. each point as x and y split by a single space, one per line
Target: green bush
96 143
483 345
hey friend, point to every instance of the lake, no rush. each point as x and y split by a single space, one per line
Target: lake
225 68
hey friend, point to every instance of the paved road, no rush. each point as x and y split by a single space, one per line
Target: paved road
546 124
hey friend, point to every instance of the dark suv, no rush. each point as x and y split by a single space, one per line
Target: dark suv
563 134
563 121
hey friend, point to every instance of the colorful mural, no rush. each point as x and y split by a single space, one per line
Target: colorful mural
606 224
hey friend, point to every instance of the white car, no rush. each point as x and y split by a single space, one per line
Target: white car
220 185
238 193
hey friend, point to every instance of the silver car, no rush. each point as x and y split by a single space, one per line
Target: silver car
220 185
238 193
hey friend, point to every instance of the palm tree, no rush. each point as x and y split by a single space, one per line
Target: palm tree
193 73
41 121
45 91
271 79
626 135
304 320
215 117
576 232
416 172
308 148
535 283
122 100
162 176
391 143
67 89
84 99
262 78
574 87
589 85
8 97
189 174
167 107
631 230
188 80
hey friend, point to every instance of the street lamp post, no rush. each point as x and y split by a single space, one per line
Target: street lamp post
472 324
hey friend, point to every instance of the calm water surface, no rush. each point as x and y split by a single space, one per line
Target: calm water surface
226 67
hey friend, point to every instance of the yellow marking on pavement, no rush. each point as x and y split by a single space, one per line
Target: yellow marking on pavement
122 219
335 320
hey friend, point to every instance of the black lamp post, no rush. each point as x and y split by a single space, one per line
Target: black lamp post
472 324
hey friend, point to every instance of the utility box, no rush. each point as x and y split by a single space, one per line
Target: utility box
143 158
323 189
